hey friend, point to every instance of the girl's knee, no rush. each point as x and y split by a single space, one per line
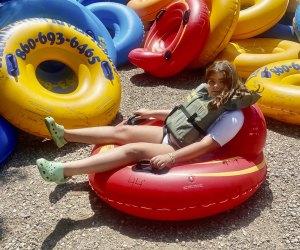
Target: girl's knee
122 133
135 150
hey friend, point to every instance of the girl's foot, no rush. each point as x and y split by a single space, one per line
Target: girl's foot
57 131
51 171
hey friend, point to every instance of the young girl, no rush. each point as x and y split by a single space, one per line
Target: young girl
152 142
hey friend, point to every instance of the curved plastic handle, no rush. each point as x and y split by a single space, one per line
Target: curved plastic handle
132 121
107 71
160 14
186 17
145 167
12 65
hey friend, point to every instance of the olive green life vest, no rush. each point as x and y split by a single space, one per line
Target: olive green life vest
189 122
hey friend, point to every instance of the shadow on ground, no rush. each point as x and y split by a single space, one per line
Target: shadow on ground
157 231
183 80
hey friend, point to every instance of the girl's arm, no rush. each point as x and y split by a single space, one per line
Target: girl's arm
230 122
197 149
158 114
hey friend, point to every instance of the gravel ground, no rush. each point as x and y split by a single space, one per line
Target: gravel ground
38 215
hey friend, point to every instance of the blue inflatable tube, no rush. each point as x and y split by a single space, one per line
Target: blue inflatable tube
69 11
87 2
2 2
124 26
296 23
280 31
7 139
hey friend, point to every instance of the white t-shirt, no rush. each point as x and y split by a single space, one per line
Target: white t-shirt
223 129
226 126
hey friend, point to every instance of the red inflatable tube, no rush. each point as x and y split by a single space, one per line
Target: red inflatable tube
177 36
207 186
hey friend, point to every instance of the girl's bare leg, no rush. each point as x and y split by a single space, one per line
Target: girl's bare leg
116 135
115 158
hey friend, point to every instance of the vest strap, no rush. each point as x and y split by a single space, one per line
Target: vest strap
191 119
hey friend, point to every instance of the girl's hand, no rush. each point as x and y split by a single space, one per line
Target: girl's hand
161 161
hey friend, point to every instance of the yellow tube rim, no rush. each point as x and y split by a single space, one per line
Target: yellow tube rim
280 82
147 10
250 54
257 16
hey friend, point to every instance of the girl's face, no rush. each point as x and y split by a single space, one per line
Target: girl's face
216 83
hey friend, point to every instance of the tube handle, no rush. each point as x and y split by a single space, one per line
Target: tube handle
145 167
132 121
12 65
107 71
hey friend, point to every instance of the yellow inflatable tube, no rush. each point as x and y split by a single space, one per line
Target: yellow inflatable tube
223 20
280 82
84 92
250 54
147 10
257 16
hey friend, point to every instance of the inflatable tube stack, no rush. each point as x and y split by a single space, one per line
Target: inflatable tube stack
59 55
88 74
56 54
242 20
228 30
167 47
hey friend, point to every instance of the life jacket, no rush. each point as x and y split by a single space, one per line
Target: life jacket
189 122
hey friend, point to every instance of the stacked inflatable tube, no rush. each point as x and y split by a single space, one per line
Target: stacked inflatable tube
167 48
250 54
281 93
284 28
296 22
7 139
124 26
258 18
280 31
27 98
223 20
147 10
76 14
207 186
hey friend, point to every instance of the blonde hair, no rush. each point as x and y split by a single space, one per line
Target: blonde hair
235 86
